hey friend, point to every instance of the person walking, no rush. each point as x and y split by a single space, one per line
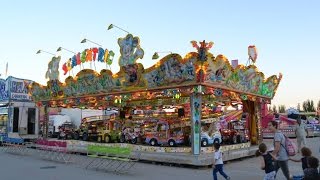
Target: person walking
301 132
279 150
312 172
217 165
305 152
266 160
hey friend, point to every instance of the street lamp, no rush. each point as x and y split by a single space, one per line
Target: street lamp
40 51
156 54
112 26
85 40
60 48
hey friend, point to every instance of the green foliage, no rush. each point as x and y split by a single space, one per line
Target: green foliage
274 109
281 108
308 106
298 107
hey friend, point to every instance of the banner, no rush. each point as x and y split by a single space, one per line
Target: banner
19 89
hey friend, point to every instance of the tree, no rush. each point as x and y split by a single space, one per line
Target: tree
312 109
281 108
308 106
274 108
298 107
304 106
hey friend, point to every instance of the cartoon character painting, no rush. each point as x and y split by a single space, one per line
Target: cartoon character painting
220 74
202 49
218 71
3 90
171 71
53 69
130 50
131 71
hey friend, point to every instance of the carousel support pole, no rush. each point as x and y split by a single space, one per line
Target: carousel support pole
46 121
259 114
195 106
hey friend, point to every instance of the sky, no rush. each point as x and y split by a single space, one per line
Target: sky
286 34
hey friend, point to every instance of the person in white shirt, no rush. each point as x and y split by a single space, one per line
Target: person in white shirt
217 165
301 132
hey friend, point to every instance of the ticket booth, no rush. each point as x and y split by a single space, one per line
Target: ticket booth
18 114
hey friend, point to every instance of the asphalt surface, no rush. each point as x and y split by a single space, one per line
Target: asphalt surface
16 167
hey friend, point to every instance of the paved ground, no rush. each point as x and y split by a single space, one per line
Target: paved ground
14 167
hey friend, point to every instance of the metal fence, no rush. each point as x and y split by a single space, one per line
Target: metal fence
118 160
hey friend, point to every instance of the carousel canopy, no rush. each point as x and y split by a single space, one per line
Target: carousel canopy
175 75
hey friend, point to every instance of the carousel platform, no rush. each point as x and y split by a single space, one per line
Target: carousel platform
172 155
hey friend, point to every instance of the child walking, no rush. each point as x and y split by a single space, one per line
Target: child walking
311 172
305 152
266 160
218 163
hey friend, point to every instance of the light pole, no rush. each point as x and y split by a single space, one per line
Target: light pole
112 26
85 40
61 48
40 51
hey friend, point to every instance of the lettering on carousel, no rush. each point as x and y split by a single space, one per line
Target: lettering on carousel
20 96
88 55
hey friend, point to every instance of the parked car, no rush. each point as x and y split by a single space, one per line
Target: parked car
163 135
316 130
66 130
130 134
235 133
207 140
99 128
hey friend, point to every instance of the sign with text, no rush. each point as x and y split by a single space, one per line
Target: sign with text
18 89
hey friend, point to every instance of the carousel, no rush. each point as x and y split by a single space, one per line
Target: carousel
198 88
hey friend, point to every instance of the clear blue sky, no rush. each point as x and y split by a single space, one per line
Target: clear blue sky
286 33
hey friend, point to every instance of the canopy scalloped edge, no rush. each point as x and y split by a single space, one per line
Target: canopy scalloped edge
172 70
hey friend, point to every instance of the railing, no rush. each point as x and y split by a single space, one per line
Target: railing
97 157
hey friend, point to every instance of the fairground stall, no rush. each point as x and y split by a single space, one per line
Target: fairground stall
18 114
172 102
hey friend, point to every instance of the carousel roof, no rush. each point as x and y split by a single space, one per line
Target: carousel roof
214 74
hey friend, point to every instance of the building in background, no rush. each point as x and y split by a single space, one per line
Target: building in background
18 113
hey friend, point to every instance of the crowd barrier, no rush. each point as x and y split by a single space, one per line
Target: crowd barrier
96 157
53 150
115 159
13 145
